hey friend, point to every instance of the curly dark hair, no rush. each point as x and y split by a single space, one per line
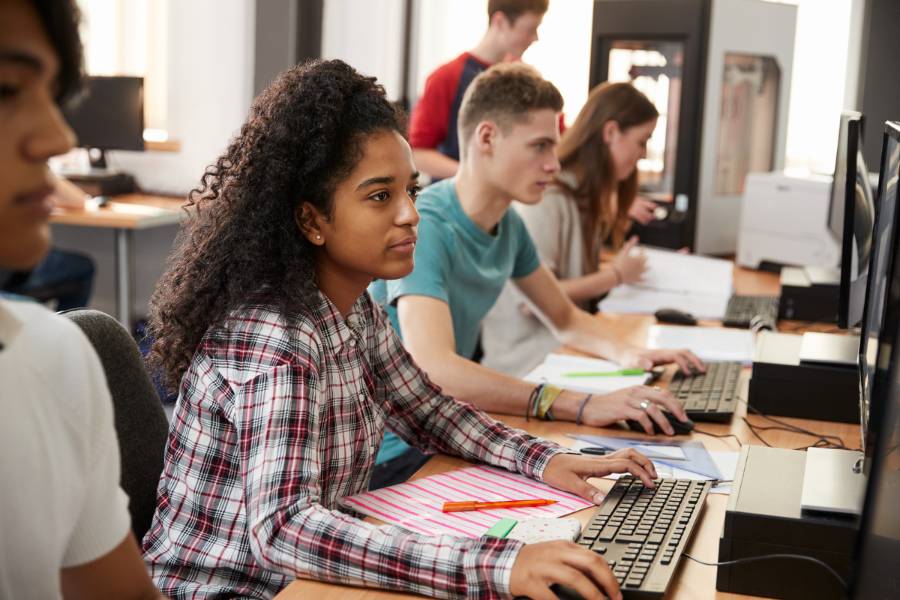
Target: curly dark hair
241 244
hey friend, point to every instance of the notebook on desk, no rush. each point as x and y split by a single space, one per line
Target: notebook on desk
576 373
416 505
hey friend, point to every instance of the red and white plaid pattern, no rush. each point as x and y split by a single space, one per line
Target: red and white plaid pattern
277 419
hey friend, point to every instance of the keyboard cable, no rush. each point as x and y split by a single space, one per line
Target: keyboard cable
749 559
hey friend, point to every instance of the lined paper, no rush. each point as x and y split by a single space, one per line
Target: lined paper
416 505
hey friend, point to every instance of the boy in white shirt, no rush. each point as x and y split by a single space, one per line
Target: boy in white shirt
64 523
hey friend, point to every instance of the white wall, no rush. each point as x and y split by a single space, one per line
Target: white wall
210 48
368 35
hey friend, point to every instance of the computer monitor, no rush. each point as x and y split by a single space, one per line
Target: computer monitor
876 573
110 116
883 289
850 218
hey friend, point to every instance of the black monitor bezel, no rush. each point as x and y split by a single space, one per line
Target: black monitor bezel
852 123
137 143
886 384
871 424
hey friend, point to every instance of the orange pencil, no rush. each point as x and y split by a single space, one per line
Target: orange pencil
472 505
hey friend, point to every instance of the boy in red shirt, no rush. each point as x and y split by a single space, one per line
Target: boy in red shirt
512 28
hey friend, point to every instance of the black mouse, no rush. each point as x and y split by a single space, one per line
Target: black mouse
675 316
680 427
564 592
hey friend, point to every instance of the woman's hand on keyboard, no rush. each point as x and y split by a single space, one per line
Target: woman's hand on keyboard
627 403
538 566
646 358
570 472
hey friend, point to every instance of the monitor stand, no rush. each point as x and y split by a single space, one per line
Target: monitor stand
833 481
100 180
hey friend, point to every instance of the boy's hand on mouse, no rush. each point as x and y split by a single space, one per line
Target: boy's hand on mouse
642 403
646 358
570 472
538 566
630 263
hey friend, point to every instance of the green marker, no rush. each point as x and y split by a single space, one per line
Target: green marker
619 373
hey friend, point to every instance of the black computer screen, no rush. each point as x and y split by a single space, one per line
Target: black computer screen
880 282
876 574
850 219
111 115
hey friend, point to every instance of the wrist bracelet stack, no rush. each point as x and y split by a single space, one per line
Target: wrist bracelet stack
540 402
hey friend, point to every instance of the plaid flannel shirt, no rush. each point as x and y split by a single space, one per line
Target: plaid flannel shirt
277 420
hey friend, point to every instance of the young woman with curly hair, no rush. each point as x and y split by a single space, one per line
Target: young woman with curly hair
288 371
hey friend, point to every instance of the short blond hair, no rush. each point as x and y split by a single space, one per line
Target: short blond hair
506 94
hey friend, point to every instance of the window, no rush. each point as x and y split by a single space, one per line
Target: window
818 83
445 28
129 37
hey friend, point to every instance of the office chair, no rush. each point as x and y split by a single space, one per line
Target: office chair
140 422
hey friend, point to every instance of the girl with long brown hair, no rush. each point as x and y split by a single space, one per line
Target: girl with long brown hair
586 208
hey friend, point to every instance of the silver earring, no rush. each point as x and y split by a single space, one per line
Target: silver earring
318 237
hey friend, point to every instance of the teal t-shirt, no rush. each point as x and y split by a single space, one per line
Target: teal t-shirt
461 264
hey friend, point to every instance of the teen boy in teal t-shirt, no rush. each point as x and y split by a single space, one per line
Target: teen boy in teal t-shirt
460 264
471 243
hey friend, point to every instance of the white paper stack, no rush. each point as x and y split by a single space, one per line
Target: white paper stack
696 284
708 343
557 369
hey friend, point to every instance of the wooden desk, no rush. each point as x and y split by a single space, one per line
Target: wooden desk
692 581
124 214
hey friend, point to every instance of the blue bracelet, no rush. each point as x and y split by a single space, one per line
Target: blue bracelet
581 408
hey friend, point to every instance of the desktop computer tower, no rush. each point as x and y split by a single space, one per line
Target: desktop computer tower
764 516
809 376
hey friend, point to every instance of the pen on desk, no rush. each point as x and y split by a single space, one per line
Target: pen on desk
616 373
473 505
597 451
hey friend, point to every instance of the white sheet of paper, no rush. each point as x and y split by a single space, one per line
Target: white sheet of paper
554 367
695 284
709 343
672 271
634 300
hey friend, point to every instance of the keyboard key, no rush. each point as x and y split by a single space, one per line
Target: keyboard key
608 533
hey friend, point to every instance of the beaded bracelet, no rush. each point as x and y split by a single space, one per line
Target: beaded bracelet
581 408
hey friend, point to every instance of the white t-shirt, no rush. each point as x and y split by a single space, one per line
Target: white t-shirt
60 500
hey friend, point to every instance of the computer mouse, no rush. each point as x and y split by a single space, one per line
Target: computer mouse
680 427
564 592
675 316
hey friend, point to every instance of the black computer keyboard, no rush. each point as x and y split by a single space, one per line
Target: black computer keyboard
757 312
642 532
710 396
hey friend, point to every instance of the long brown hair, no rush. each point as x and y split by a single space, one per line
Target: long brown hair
583 152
